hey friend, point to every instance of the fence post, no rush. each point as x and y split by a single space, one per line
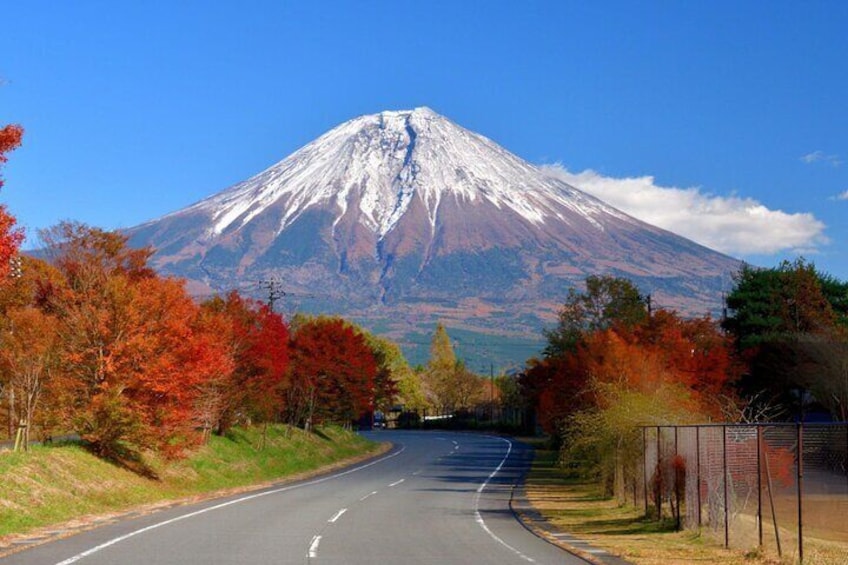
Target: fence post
698 469
724 470
674 479
800 442
759 484
771 502
645 465
658 473
21 443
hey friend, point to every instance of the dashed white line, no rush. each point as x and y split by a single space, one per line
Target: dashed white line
396 483
337 516
119 539
369 495
313 547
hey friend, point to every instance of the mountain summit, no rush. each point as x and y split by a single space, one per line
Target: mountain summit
408 210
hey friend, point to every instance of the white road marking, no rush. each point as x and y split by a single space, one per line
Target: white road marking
479 518
396 483
369 495
124 537
313 547
337 516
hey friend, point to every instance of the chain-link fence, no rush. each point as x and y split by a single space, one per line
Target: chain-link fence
776 486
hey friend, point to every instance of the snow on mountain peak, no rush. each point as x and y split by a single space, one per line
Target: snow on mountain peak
375 165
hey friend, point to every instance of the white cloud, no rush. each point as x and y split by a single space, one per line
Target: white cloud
821 156
731 224
841 196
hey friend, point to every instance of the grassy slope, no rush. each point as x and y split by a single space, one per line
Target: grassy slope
55 484
581 509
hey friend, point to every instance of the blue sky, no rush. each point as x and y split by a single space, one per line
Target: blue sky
726 122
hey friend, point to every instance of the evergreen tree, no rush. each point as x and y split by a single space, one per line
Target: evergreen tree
789 321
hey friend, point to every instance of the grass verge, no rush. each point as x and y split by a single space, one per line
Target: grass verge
583 510
56 484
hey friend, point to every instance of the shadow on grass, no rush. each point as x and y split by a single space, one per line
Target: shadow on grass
317 431
121 456
628 526
236 435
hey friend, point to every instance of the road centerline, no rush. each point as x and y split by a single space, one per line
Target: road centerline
313 547
337 516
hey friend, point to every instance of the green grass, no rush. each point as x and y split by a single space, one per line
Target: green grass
56 484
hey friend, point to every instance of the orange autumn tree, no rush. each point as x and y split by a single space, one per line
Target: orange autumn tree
10 240
558 385
214 396
664 350
173 357
611 367
132 359
26 336
28 356
665 370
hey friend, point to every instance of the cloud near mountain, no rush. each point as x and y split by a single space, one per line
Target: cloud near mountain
730 224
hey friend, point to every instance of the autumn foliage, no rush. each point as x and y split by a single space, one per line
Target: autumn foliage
613 366
94 342
10 236
607 354
334 372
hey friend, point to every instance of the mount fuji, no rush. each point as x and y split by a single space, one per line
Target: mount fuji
404 217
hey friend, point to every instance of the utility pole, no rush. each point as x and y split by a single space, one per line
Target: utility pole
492 391
274 291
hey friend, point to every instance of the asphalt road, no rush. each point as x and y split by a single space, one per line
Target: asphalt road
435 498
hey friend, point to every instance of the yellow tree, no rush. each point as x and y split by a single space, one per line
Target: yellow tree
440 370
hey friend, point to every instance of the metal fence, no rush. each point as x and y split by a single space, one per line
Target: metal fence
774 485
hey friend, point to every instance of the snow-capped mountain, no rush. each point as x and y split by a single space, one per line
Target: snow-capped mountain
408 210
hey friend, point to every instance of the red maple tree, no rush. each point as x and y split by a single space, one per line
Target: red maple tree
333 373
10 236
257 339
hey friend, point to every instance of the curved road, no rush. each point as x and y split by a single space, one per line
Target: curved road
437 497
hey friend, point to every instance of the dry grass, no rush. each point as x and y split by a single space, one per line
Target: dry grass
581 509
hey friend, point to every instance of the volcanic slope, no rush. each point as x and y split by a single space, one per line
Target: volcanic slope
407 216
